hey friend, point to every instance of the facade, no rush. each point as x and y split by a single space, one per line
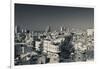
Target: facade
90 32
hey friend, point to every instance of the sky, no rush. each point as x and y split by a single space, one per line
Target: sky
38 17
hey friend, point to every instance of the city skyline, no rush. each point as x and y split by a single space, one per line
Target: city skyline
53 34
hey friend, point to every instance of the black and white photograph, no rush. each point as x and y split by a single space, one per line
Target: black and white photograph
47 34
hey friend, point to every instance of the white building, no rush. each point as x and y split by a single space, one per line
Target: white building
90 31
49 47
37 45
